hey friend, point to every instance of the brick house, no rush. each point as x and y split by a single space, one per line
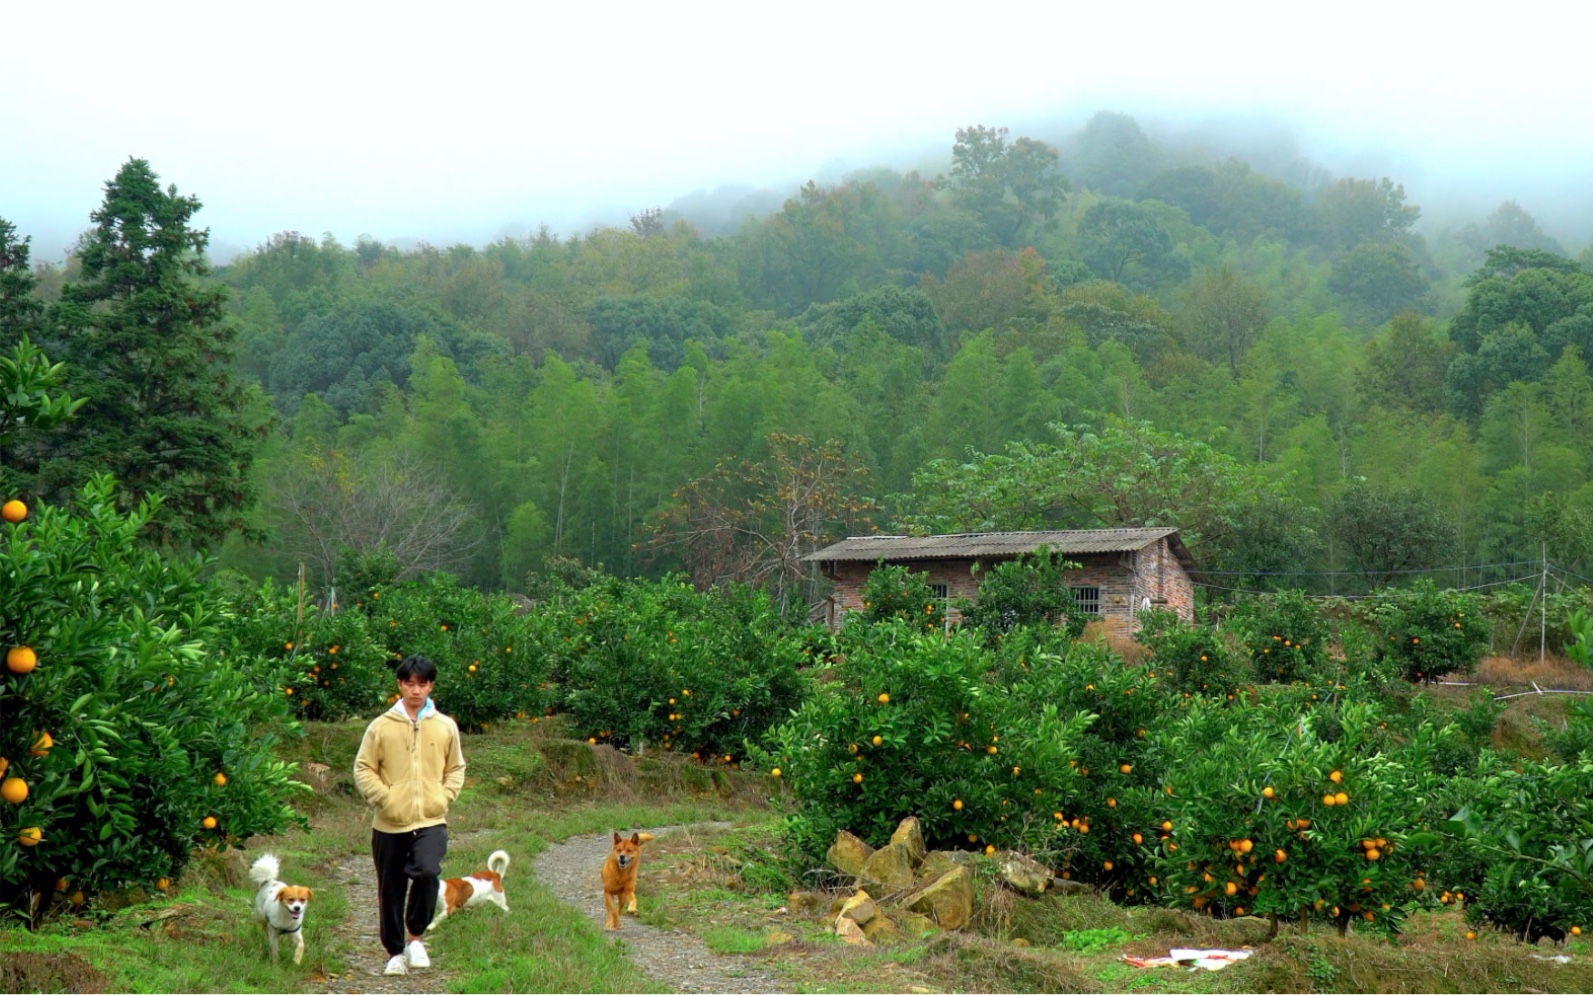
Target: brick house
1121 570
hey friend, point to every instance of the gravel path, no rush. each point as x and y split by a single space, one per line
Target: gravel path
358 929
677 961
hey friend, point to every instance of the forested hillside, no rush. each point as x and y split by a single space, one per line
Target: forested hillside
1105 331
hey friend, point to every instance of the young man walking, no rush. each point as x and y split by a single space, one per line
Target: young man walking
410 767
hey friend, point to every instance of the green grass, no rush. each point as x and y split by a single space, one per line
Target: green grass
213 944
733 940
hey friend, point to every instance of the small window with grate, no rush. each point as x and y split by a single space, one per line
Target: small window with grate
940 591
1089 599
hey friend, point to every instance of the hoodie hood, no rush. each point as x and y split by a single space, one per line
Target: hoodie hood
400 711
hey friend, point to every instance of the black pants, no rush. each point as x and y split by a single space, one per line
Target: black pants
407 867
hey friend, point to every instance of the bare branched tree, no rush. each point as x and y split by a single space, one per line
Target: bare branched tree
330 502
753 522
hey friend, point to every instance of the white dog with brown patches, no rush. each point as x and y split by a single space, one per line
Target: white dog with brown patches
278 907
478 888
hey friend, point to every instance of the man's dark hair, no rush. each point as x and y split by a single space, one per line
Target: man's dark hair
417 668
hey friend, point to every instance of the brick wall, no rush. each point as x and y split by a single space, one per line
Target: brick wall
1126 580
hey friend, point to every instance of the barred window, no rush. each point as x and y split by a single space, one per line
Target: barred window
1089 599
940 591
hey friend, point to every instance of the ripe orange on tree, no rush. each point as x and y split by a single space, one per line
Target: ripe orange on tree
14 790
21 660
13 511
30 836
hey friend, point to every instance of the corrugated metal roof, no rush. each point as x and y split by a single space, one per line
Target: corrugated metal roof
993 544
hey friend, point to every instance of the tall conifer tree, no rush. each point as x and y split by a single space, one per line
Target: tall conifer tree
149 351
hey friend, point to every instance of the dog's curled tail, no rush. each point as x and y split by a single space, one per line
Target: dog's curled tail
265 869
498 863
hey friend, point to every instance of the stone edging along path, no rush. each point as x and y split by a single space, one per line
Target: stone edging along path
677 961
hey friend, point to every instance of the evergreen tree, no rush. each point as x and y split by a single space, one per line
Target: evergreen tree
148 351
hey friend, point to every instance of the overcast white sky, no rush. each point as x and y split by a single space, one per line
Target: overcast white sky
451 120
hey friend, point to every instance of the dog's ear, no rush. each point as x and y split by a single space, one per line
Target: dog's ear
278 896
636 838
308 894
616 836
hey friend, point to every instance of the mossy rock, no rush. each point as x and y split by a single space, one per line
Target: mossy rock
569 758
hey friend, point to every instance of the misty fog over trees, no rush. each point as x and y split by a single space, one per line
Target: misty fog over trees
1266 354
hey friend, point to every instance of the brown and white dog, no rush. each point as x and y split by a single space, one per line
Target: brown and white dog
479 888
619 877
278 907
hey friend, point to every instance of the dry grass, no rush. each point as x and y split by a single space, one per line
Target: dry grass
1505 674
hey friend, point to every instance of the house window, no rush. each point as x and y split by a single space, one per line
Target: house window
1089 599
940 591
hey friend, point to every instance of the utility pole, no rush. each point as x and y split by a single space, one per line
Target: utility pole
1543 601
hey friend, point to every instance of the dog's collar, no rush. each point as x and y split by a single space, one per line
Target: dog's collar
294 929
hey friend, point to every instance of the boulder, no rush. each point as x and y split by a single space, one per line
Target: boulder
850 932
890 867
947 901
848 853
918 925
859 908
938 862
1023 874
910 835
880 929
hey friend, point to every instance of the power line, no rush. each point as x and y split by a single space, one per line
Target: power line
1362 573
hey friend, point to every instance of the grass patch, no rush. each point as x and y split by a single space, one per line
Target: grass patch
733 940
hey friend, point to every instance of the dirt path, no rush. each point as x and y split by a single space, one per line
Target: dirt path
358 930
677 961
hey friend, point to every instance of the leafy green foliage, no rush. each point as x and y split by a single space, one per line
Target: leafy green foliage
1284 635
157 744
1029 590
660 665
1428 632
1195 659
148 350
1532 828
893 592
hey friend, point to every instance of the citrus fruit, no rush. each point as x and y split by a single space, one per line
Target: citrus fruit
209 822
30 836
14 790
21 660
13 511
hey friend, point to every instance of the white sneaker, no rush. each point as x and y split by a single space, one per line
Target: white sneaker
415 954
396 965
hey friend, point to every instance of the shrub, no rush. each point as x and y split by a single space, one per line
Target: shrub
1532 829
1254 830
910 724
895 593
658 663
1028 591
151 732
1284 636
1427 632
1193 659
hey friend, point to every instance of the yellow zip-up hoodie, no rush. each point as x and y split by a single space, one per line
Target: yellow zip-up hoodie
411 770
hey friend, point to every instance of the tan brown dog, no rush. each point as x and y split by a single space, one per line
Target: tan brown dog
619 877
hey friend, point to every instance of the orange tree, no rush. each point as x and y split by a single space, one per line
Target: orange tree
127 740
1428 632
1530 828
1099 810
492 662
1309 811
338 660
1284 635
910 722
645 663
